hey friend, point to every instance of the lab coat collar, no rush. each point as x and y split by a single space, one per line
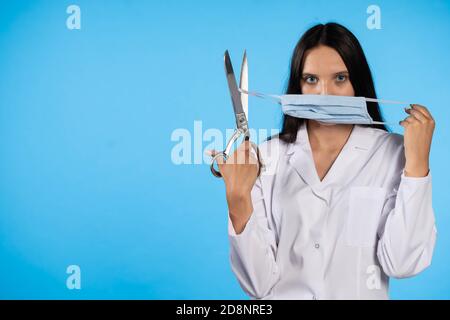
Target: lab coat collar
351 156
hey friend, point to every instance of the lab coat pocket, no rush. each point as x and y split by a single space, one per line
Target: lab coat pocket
364 213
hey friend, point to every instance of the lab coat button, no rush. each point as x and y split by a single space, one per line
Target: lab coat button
317 246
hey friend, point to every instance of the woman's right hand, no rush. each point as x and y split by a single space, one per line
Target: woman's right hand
239 173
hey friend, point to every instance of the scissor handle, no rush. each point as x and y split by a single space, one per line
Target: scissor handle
215 172
237 133
224 154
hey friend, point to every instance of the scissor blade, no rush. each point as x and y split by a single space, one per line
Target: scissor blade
232 85
243 84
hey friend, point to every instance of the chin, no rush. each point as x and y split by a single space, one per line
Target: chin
326 124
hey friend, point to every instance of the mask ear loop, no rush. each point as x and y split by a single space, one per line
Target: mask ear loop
385 102
275 97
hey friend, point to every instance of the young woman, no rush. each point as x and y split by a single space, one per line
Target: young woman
340 208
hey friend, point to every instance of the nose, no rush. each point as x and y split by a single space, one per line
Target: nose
323 87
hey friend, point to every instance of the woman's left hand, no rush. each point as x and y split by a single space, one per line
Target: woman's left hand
419 127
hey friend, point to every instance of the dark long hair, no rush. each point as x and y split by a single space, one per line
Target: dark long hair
347 45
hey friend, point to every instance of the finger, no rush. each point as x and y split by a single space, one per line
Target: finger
416 114
252 159
220 160
243 152
407 121
422 109
236 157
245 145
254 150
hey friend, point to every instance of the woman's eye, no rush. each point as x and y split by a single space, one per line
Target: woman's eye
311 79
341 78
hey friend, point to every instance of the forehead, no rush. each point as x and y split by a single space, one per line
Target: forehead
323 60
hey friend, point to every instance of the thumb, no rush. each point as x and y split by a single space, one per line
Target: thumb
219 159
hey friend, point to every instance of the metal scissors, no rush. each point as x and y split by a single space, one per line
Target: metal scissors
240 107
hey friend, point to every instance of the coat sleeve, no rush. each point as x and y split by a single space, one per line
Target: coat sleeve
253 251
408 234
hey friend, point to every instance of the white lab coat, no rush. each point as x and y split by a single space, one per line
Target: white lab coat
340 238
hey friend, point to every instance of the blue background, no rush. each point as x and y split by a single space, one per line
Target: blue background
86 118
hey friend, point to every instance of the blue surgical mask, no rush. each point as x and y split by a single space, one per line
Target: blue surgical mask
326 108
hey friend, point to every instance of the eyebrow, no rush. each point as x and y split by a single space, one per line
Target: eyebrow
315 75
